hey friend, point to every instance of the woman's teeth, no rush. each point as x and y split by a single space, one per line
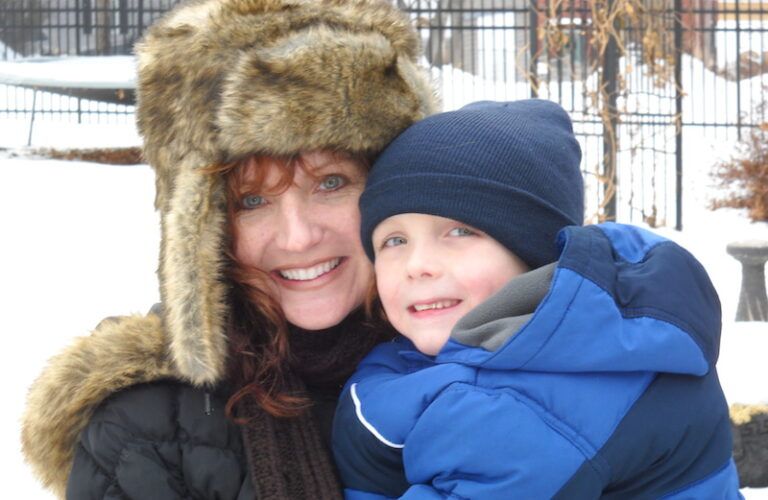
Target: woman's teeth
442 304
310 273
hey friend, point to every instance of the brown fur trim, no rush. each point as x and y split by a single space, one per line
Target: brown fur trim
121 352
190 264
222 79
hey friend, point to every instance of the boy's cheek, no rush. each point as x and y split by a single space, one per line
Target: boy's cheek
481 286
384 288
389 295
385 274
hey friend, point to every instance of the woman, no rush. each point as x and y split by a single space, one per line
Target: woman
259 118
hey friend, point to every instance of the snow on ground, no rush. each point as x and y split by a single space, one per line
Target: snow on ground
80 243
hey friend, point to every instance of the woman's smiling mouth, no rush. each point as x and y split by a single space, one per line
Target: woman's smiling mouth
310 273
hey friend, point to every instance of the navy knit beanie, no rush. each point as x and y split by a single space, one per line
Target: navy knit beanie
509 169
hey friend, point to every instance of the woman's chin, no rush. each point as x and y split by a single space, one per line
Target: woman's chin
316 322
320 314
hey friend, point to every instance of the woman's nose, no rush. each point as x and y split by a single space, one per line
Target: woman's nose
298 229
422 263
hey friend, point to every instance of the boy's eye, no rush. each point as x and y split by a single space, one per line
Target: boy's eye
461 231
251 201
394 241
332 182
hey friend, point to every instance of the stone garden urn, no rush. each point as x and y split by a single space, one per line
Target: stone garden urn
753 302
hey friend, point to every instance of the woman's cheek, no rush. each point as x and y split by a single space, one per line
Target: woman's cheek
250 244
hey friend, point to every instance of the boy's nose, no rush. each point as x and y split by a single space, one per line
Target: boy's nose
422 263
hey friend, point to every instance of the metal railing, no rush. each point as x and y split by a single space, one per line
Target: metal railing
81 27
499 49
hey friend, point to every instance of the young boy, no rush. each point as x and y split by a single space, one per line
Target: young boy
539 358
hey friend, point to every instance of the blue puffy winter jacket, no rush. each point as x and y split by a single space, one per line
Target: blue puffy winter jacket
591 378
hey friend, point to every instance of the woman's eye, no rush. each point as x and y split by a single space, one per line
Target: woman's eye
332 182
461 231
251 201
394 241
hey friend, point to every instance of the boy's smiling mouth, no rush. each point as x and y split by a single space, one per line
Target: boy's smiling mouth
433 305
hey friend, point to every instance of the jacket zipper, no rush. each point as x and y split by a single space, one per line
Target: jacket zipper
207 403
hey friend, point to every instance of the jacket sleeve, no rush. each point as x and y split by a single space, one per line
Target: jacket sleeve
492 444
158 441
377 411
87 480
370 468
127 449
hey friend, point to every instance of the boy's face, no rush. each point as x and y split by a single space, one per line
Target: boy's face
430 271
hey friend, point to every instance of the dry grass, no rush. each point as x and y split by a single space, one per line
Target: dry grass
110 156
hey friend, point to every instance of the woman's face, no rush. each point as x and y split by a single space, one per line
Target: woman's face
307 238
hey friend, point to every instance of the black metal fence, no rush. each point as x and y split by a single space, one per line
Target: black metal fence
82 27
683 78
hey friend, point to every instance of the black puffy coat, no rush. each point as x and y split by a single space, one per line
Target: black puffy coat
167 440
163 440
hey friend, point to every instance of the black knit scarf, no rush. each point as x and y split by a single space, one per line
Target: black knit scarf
288 456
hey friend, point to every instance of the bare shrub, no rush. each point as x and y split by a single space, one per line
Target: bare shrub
744 177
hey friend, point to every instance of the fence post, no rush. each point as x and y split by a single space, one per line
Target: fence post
122 7
78 26
678 115
87 20
103 26
738 69
533 34
140 18
32 116
437 46
609 81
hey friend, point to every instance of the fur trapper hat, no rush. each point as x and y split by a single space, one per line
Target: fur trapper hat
219 80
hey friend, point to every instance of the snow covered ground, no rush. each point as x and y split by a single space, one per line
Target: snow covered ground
81 239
